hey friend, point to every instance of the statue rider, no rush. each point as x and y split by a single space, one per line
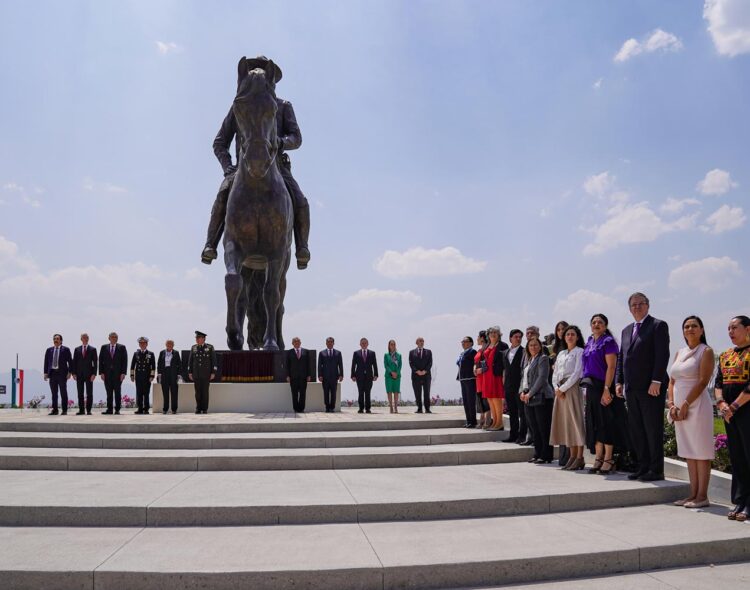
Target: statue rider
290 138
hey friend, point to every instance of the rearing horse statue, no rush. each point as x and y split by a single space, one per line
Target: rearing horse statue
259 219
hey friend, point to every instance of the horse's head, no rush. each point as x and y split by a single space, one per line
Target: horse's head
255 111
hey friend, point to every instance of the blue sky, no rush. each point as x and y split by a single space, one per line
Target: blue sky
467 164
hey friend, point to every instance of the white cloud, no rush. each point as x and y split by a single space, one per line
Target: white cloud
165 47
23 194
600 184
706 275
657 40
676 205
579 306
633 223
423 262
729 25
716 182
193 274
89 184
724 219
598 84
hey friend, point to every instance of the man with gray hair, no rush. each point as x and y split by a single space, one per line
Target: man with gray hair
113 366
420 361
84 373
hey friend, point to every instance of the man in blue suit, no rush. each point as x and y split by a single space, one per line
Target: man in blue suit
57 361
364 372
642 377
330 373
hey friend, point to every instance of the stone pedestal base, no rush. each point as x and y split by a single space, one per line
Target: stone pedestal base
246 397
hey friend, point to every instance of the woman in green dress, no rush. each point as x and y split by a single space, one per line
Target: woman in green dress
392 364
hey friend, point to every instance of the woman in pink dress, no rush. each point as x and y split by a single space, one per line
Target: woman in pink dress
691 411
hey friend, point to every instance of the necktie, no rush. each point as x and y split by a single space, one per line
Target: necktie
55 358
420 353
364 355
330 352
298 353
112 351
635 329
84 351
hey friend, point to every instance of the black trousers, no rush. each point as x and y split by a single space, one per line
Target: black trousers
738 439
58 382
142 392
329 393
528 413
299 394
515 412
85 383
421 386
541 425
201 385
113 387
469 397
364 387
169 391
646 421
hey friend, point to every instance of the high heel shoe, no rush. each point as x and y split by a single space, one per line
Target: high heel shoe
568 464
609 471
577 465
732 514
596 466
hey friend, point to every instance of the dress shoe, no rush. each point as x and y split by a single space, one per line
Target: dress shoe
80 413
419 411
701 504
368 412
527 443
636 475
64 412
532 460
174 411
53 413
164 411
117 412
138 412
145 411
360 411
197 411
88 412
428 411
542 461
107 412
651 476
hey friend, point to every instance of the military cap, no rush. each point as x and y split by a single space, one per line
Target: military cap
143 339
199 334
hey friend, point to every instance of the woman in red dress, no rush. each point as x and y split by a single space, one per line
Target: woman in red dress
483 406
492 383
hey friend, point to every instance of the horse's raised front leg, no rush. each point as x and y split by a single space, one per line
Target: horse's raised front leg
236 306
272 300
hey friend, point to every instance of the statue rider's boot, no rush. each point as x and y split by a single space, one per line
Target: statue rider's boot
215 229
301 233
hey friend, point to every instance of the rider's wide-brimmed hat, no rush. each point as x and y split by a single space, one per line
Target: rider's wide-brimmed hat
256 62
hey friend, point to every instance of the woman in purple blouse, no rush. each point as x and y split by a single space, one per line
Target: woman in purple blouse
606 416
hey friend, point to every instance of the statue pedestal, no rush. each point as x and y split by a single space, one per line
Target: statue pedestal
246 397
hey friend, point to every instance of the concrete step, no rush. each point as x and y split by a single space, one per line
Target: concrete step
731 575
64 498
127 422
252 440
63 459
368 556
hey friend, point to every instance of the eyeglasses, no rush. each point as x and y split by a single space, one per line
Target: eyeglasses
639 304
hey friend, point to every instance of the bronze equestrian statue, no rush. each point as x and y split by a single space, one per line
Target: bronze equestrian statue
290 138
259 215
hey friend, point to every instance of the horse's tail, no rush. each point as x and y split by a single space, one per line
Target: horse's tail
256 310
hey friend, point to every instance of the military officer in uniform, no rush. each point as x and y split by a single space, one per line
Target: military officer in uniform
290 138
201 370
142 371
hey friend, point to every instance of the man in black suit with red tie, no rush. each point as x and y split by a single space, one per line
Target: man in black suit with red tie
330 373
84 373
420 361
364 372
298 374
113 366
642 377
57 361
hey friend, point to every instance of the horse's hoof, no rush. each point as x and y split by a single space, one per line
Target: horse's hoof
235 343
271 345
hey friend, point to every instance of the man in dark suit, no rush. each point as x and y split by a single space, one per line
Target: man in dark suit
330 373
298 374
364 372
642 377
420 361
113 366
84 373
468 381
202 367
168 371
57 365
512 383
142 372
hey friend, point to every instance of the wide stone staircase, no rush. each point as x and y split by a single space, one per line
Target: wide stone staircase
333 501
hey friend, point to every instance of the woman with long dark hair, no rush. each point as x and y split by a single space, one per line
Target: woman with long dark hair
538 396
691 411
732 391
606 415
480 368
